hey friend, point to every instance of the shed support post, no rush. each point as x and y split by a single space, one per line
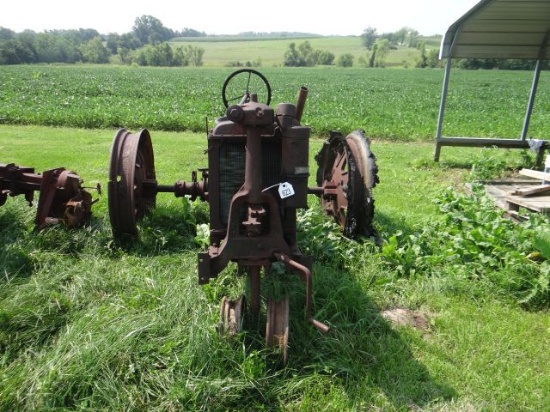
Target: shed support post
531 101
442 109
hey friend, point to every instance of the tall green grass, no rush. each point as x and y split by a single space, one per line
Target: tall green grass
88 324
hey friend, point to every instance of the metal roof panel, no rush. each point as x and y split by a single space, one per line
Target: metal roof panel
501 29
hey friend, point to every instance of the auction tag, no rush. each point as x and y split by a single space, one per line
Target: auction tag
286 190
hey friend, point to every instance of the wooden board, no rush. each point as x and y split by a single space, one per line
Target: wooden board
502 192
535 203
537 190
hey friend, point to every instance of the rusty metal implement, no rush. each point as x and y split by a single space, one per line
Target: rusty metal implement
61 196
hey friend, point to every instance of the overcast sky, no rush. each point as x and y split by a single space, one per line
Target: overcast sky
341 17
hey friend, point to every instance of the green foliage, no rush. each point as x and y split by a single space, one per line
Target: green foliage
502 64
542 243
368 37
94 51
405 36
345 60
322 238
164 55
150 30
494 163
472 241
305 55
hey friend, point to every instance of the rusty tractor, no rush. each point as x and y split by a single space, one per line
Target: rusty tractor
62 199
256 180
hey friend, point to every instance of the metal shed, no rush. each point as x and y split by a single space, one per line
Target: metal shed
498 29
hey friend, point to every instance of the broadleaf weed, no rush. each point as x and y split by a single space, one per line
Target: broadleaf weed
472 239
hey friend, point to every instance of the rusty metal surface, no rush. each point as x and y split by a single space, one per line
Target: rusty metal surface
231 315
276 329
348 173
61 196
131 187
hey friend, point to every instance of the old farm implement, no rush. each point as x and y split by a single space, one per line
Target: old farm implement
62 199
256 180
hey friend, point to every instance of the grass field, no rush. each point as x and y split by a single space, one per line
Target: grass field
89 324
270 52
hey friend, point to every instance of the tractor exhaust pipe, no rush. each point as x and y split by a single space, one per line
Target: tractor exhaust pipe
301 102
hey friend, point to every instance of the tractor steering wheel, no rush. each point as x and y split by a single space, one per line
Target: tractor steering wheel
241 84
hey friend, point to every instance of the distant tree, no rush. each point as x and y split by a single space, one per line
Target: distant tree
401 35
372 58
382 50
14 51
412 38
94 51
27 39
126 41
180 57
423 61
150 30
195 55
305 55
6 34
186 32
390 37
325 58
292 57
433 58
345 60
55 47
368 37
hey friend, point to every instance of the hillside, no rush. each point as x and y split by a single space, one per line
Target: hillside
269 52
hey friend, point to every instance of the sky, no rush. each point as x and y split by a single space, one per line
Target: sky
341 17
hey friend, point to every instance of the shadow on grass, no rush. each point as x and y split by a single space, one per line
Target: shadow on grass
14 257
164 230
362 354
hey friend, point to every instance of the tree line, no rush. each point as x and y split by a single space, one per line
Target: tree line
378 47
146 45
380 44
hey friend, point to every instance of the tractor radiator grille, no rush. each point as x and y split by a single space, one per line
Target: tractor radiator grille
232 165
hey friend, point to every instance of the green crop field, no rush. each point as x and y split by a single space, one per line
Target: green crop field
89 324
390 104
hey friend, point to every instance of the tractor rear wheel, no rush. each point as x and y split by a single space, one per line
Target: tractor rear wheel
348 173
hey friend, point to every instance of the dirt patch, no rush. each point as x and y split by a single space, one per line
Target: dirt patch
407 317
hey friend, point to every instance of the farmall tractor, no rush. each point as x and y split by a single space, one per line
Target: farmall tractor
257 179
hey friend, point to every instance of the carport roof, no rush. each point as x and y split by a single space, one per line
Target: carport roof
500 29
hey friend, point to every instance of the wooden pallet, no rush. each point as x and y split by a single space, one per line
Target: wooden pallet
532 192
513 194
